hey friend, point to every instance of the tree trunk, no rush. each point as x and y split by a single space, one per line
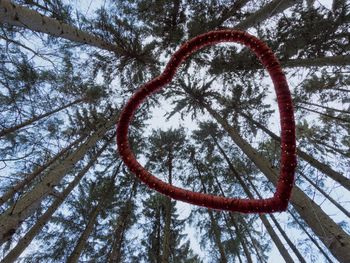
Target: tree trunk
342 180
168 212
121 227
233 221
340 60
79 247
324 107
320 142
215 226
339 206
43 219
217 237
289 242
335 118
260 257
244 243
269 10
281 248
228 12
158 255
17 15
240 238
30 177
311 237
6 131
331 234
239 258
26 205
283 233
334 61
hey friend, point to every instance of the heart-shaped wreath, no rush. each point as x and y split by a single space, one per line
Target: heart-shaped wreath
279 201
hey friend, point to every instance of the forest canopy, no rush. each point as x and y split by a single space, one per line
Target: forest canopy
67 68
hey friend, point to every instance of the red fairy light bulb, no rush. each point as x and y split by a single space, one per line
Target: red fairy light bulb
279 201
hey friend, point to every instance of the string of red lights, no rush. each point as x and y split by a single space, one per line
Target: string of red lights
279 201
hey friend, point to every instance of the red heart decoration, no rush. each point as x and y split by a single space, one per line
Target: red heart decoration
279 201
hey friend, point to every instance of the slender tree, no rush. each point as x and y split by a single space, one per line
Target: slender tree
24 207
108 186
17 15
43 219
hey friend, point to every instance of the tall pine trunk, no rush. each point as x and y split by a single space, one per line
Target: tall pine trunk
30 177
289 242
325 107
334 118
276 240
329 147
334 202
283 233
334 61
43 219
242 239
313 240
11 219
341 179
217 237
79 247
168 212
16 15
214 224
9 130
235 224
271 9
121 227
253 240
331 234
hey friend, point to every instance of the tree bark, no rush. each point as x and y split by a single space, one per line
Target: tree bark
283 233
311 237
26 205
340 60
289 242
6 131
324 107
121 227
215 226
217 237
335 203
336 118
242 240
325 169
334 61
167 208
79 247
228 13
30 177
43 219
17 15
254 243
320 142
269 10
281 248
233 221
330 233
